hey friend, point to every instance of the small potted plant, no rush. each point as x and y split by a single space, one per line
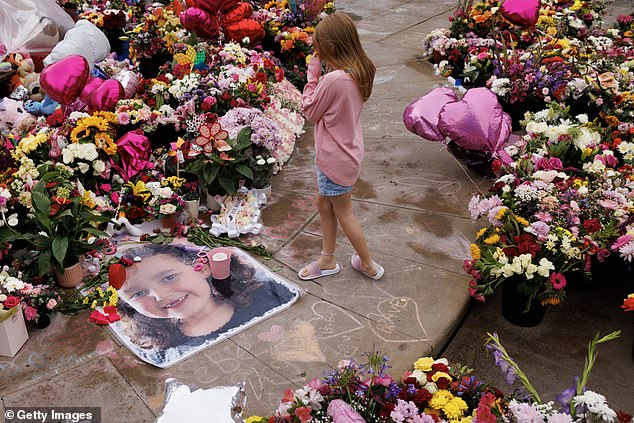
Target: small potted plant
165 202
190 192
262 167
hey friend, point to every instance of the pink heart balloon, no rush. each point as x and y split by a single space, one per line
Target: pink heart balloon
524 13
200 22
312 8
421 116
106 96
477 122
133 151
64 80
91 85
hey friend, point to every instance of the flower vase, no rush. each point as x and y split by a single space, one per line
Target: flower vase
191 208
169 221
514 304
71 277
266 191
42 321
212 203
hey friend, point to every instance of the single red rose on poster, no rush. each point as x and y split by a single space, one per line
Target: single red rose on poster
11 301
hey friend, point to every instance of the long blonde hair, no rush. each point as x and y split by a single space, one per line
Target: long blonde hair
337 42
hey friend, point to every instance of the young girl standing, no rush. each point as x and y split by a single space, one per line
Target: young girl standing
334 104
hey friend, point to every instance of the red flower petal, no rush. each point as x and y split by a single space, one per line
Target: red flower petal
95 315
215 128
225 156
221 135
113 317
222 145
110 309
202 140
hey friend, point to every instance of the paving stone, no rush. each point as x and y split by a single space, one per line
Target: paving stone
95 383
428 238
75 341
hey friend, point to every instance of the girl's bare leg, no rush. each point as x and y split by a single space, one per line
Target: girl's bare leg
342 208
328 220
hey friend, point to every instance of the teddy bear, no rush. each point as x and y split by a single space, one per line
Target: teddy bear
14 116
84 39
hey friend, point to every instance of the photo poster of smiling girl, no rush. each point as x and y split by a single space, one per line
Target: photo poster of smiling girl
171 307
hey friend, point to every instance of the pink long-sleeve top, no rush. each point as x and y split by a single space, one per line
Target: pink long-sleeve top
334 104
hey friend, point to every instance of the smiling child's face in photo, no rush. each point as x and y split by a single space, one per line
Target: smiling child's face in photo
162 286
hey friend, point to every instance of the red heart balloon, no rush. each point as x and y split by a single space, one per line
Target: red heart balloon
237 31
63 81
524 13
200 23
106 96
238 12
215 6
91 85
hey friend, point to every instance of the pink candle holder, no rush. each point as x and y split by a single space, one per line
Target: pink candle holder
220 262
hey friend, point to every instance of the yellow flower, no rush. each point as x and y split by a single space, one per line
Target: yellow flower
114 298
493 239
521 221
455 408
174 181
254 419
100 292
108 116
87 199
424 364
139 190
94 304
500 214
85 300
480 232
440 399
475 252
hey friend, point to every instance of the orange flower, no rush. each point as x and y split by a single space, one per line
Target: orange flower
613 121
628 303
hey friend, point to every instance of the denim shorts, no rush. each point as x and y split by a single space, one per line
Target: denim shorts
327 187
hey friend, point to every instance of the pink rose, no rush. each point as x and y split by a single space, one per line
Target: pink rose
51 304
30 313
11 301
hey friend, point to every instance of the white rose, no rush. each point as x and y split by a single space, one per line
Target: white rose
165 192
98 166
3 297
12 220
83 167
67 155
167 209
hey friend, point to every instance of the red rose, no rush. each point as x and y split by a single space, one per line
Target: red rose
410 381
440 367
592 225
11 301
116 275
443 383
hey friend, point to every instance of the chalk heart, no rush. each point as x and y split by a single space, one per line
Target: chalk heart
106 96
64 80
331 321
524 13
394 317
273 335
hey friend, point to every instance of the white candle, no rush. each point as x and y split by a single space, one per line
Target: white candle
219 257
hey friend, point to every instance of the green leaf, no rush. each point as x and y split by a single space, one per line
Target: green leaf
95 231
210 173
245 170
41 202
228 184
44 263
59 247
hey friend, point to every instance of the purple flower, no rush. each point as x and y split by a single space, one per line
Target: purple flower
566 395
500 361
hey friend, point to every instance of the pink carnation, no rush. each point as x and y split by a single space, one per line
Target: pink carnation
621 241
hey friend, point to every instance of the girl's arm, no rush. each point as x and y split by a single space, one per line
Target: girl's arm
316 98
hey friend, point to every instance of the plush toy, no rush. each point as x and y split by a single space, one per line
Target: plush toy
39 108
32 83
84 39
14 116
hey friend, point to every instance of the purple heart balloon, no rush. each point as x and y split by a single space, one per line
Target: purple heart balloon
524 13
421 116
477 122
63 81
